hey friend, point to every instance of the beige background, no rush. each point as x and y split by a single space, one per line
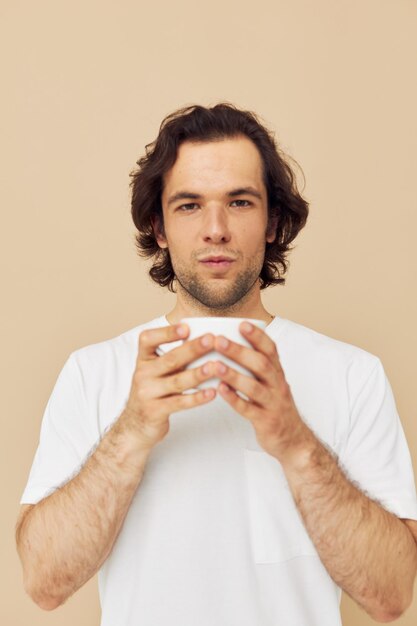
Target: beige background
85 85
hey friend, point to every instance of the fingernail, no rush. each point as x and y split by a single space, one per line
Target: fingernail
223 342
206 341
181 330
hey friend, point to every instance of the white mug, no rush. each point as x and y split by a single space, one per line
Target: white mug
229 328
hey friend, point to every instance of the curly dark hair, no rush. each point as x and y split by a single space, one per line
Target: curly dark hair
198 123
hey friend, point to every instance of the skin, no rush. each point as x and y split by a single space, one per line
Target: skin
215 225
346 526
63 540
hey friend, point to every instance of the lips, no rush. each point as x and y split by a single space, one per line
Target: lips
218 266
216 259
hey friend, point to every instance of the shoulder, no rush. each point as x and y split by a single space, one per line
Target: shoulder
324 351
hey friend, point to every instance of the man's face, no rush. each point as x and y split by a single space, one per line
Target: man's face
216 223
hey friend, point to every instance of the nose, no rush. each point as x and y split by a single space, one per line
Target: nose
215 226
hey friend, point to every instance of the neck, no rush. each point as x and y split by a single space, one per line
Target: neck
180 311
250 306
174 316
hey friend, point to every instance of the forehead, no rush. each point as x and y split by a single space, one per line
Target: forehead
215 164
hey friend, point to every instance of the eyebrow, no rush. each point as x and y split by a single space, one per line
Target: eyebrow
240 191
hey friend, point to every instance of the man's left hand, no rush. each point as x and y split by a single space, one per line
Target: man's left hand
270 406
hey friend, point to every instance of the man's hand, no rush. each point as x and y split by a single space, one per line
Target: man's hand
367 551
270 405
158 382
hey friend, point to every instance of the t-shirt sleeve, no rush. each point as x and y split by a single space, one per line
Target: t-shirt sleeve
66 439
376 454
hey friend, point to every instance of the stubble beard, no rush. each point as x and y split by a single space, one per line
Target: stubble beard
222 294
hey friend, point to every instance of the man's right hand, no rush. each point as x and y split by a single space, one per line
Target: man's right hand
159 381
66 537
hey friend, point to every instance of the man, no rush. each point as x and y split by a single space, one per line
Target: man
205 508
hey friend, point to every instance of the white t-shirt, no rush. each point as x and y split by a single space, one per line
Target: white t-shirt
213 536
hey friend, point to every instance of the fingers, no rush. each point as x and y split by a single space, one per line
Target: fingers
166 395
263 344
158 382
151 338
253 389
176 358
255 362
261 358
189 400
183 355
180 381
166 375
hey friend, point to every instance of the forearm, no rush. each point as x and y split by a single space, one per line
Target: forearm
64 539
367 551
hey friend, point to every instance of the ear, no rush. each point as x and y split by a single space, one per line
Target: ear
159 231
271 232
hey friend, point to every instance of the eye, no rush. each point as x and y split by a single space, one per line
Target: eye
247 202
187 205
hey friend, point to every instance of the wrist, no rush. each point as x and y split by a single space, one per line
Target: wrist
298 454
310 461
144 435
126 444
